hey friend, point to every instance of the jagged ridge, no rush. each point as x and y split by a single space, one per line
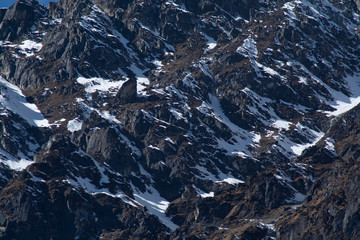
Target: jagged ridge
195 110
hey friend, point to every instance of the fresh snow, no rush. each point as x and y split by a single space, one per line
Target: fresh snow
13 99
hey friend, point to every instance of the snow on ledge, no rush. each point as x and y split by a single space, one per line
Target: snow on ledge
206 195
29 47
232 181
211 42
74 125
13 99
155 204
342 103
99 84
248 49
18 165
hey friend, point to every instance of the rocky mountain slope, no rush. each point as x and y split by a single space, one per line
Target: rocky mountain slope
180 119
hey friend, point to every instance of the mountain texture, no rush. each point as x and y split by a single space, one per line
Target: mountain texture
180 119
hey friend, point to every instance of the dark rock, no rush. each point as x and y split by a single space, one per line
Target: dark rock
128 91
211 115
17 20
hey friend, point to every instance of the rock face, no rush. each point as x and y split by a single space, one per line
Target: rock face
127 93
19 19
179 119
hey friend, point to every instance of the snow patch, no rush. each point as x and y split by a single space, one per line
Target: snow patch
155 204
12 162
74 125
211 42
29 48
142 80
203 194
282 124
248 49
206 195
13 99
241 138
99 84
343 103
299 148
18 165
232 181
329 145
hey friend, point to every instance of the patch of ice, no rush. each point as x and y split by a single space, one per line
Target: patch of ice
203 194
241 138
256 138
268 226
154 147
303 80
90 188
220 178
181 7
12 162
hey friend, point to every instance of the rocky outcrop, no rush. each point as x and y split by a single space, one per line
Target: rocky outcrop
19 19
180 120
331 209
127 93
